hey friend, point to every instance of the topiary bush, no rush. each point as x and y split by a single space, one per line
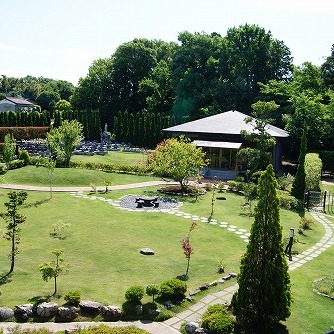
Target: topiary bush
24 156
130 308
73 297
135 294
217 320
152 290
172 289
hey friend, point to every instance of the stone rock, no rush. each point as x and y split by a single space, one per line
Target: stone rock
46 310
147 251
201 331
6 313
90 307
220 280
24 311
68 312
227 277
111 312
233 275
139 310
204 286
194 292
214 283
191 327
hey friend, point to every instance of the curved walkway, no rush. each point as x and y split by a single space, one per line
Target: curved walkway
194 313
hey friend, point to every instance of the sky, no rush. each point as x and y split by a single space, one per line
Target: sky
60 39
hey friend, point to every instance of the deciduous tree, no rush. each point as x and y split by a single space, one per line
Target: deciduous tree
64 139
179 159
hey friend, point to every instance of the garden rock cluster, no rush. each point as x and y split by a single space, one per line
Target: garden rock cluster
47 310
206 286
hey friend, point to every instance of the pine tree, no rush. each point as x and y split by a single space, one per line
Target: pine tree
263 298
298 186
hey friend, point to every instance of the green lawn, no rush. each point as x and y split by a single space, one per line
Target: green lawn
69 177
102 248
114 157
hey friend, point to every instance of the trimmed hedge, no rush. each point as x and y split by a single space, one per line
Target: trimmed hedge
24 132
113 168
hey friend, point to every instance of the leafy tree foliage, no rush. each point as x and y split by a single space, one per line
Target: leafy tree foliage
14 219
298 185
327 70
263 274
178 159
9 149
259 156
52 269
313 167
64 139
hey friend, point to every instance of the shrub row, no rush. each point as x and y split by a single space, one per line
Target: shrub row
118 168
24 132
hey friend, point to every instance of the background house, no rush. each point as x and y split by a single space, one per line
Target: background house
220 137
15 104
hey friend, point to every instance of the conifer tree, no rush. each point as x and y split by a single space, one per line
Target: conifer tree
263 298
298 186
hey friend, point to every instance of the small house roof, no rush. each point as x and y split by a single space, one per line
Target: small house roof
16 100
229 122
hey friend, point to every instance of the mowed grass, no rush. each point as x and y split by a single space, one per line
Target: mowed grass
69 177
114 157
102 249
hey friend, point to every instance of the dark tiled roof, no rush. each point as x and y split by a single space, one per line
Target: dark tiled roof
229 122
19 101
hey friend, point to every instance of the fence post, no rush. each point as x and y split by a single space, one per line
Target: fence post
324 203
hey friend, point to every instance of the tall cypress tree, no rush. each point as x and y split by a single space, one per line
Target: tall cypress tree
263 298
298 185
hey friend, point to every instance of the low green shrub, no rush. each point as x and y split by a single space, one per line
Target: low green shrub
14 164
149 306
164 315
216 320
73 297
152 290
24 155
313 167
104 329
135 294
172 289
130 307
288 202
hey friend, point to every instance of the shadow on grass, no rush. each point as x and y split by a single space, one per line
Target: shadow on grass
39 299
37 203
5 279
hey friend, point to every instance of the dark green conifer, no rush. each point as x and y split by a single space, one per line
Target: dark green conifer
263 298
298 186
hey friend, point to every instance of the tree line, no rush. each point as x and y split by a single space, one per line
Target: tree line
202 75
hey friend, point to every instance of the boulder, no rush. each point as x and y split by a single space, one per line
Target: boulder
233 275
111 312
194 292
147 251
204 286
68 312
6 313
47 310
24 311
227 277
191 327
90 307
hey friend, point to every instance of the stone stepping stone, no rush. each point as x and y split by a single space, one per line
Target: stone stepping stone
196 219
223 226
231 229
179 214
232 226
243 237
246 240
248 234
213 222
242 230
238 232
